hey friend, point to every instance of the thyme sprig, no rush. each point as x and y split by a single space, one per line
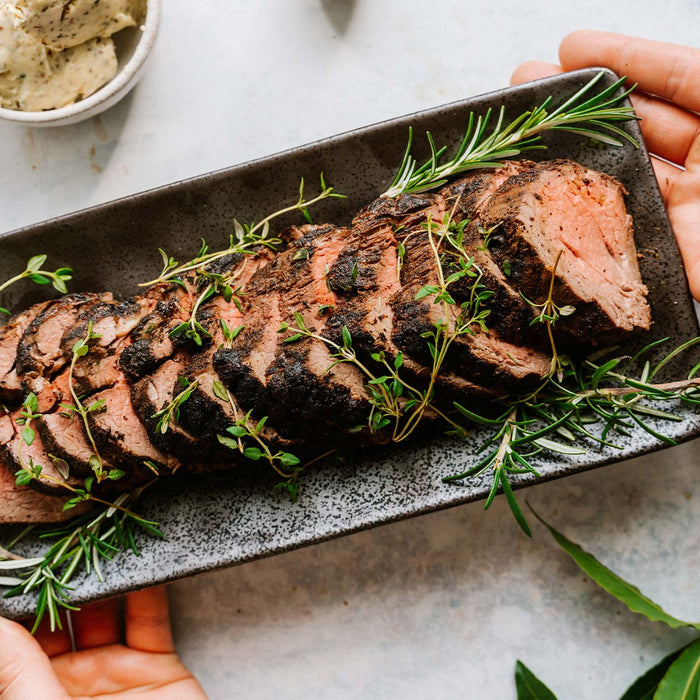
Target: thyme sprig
34 272
170 415
594 116
246 239
245 430
549 314
83 543
80 349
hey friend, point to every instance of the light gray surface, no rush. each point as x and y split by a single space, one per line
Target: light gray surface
444 604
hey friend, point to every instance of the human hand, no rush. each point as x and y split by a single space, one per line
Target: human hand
145 666
668 101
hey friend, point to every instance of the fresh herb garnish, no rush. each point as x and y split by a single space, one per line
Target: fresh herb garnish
246 239
592 116
82 543
33 272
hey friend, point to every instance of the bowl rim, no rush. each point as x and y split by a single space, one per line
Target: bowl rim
132 67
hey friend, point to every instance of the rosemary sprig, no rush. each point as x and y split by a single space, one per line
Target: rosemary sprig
567 407
592 116
34 272
85 543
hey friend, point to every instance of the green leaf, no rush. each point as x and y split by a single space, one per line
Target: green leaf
219 390
554 446
36 262
28 435
23 477
426 292
529 686
254 453
625 592
603 370
289 460
682 680
227 442
643 688
513 503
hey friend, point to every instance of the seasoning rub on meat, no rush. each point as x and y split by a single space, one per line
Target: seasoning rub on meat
525 225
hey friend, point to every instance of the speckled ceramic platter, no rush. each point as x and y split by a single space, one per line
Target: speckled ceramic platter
219 522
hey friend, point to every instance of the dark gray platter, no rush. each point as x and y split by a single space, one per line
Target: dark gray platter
214 523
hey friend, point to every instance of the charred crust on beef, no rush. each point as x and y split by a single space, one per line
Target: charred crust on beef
39 351
10 336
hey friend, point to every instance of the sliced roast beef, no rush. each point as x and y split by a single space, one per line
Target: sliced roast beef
18 454
485 359
152 340
10 335
40 352
154 393
23 504
480 356
122 439
269 375
562 208
63 436
367 314
109 320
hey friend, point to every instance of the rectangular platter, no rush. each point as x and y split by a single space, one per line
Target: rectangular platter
217 522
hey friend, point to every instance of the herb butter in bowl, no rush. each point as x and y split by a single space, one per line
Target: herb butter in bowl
62 62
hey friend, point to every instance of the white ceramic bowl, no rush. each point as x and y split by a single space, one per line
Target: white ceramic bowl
133 45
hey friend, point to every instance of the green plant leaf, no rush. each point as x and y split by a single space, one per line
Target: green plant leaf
625 592
682 680
645 686
529 686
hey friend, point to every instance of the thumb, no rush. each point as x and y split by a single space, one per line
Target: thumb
25 671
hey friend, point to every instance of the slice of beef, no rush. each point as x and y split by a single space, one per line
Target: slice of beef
561 207
154 393
110 320
16 454
206 414
482 357
40 353
152 341
509 314
10 335
23 504
381 274
122 439
63 436
113 322
271 376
